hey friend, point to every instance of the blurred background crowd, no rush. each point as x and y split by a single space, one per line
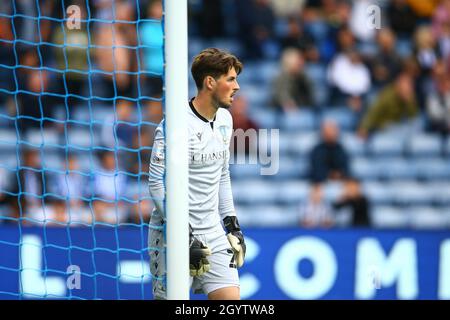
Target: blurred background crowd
362 105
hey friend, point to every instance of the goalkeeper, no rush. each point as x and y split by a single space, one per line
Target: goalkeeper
216 251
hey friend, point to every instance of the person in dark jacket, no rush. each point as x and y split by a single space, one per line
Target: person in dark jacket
356 201
329 160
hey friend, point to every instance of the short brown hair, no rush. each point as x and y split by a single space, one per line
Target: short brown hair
215 63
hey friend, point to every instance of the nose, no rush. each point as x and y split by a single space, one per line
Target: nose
237 87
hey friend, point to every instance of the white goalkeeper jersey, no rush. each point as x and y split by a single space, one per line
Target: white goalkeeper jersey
210 196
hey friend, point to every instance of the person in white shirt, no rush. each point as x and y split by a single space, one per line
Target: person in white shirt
214 254
350 77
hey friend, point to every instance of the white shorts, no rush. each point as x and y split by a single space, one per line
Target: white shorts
222 273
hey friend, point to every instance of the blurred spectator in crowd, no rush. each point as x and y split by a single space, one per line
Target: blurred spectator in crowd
328 159
402 19
424 9
292 88
211 19
328 25
316 212
426 49
6 54
395 103
28 187
144 135
70 188
349 78
153 115
257 18
427 55
356 201
151 36
297 37
444 41
113 54
386 63
440 17
110 188
239 111
285 8
141 205
5 176
71 55
118 129
33 106
438 101
119 132
441 29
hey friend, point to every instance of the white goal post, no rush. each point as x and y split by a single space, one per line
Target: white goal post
176 99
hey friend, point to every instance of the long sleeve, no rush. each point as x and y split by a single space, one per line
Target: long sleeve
226 205
157 169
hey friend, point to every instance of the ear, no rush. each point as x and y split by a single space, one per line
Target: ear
210 82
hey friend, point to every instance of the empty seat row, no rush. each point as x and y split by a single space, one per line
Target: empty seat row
382 217
404 193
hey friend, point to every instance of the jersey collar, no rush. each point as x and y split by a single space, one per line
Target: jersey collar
198 114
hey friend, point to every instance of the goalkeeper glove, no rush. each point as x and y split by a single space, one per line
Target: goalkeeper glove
198 251
236 239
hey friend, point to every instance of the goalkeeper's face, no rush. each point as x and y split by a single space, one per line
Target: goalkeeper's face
225 88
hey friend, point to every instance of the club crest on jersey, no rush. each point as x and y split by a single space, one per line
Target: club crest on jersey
199 136
223 131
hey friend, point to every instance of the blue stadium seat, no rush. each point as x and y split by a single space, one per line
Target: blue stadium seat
52 161
395 168
411 193
354 145
429 218
364 168
424 145
386 144
8 140
275 216
378 193
302 119
229 45
245 171
332 191
79 138
100 112
265 118
284 143
267 71
254 192
432 168
317 75
9 160
290 168
343 116
387 217
257 97
302 143
316 72
404 47
88 161
447 147
196 45
47 137
440 192
292 192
